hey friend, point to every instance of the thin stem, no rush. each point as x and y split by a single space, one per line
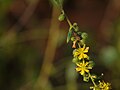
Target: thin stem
79 45
68 21
70 24
92 80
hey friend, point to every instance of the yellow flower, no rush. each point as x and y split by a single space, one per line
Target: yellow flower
80 52
104 86
83 67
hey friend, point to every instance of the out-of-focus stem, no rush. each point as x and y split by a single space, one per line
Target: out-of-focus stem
47 65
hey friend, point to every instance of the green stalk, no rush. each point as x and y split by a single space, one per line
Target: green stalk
92 80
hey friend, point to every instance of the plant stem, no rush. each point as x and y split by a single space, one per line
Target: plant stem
70 24
79 45
68 21
92 80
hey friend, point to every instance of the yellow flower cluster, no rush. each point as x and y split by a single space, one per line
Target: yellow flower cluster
81 52
83 67
102 86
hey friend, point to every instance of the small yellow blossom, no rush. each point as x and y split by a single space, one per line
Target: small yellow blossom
80 52
83 67
104 86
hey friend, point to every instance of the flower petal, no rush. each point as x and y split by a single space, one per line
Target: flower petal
78 69
78 65
86 70
86 63
80 56
89 67
82 72
85 56
86 50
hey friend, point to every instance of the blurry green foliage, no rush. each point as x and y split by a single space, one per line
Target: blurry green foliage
57 2
108 55
4 7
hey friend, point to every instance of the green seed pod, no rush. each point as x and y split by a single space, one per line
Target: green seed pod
61 17
76 27
84 35
74 24
72 38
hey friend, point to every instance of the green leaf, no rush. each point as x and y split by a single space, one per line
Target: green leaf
57 2
69 35
61 2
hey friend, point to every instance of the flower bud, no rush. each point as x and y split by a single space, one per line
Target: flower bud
61 17
76 27
84 35
72 38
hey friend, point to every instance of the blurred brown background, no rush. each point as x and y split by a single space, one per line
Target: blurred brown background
34 54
